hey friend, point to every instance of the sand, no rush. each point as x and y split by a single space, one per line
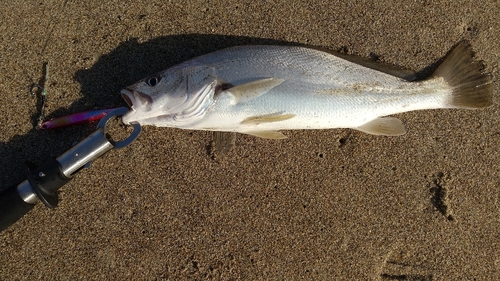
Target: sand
320 205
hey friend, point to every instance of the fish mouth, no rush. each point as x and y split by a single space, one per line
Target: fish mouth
135 99
127 96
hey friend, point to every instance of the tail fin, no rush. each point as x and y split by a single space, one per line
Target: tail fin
471 87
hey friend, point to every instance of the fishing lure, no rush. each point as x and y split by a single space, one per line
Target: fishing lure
74 119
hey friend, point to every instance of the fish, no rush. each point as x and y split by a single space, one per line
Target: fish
261 90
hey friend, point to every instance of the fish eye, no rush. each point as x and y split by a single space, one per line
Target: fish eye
153 81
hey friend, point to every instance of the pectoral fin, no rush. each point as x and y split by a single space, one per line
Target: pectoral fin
251 90
266 134
223 141
385 126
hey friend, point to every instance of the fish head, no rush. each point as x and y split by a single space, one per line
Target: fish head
170 98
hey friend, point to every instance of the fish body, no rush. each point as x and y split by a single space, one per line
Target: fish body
260 90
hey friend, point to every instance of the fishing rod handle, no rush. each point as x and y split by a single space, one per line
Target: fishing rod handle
43 182
12 205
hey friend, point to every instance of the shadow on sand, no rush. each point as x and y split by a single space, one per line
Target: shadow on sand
129 62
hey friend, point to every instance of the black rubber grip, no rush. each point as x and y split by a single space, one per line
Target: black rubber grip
12 207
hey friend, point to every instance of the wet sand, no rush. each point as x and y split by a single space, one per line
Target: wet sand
319 205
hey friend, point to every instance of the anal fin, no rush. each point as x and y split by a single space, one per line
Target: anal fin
384 126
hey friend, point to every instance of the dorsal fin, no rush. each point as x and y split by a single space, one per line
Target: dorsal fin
390 69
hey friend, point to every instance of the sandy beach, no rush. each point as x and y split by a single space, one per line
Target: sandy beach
320 205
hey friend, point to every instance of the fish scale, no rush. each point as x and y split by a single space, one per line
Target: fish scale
243 63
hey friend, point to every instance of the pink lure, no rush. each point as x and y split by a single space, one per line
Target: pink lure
73 119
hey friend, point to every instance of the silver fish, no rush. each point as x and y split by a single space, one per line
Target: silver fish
260 90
